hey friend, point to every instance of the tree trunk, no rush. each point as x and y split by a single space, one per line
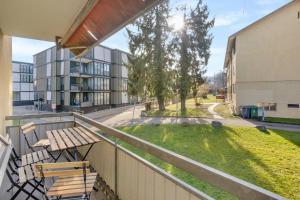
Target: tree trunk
161 104
183 107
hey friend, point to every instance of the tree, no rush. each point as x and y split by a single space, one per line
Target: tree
192 45
149 46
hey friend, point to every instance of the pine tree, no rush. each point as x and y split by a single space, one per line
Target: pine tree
192 45
148 44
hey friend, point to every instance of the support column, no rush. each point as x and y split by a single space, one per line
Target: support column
5 79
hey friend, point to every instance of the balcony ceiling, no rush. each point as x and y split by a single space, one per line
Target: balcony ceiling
38 19
80 24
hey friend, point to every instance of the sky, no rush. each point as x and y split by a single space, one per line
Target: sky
230 16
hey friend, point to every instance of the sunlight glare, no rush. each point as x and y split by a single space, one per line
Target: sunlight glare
176 22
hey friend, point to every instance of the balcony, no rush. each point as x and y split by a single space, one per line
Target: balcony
126 176
75 87
86 104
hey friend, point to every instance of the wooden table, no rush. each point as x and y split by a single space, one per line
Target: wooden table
71 138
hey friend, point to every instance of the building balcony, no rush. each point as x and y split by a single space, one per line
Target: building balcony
86 104
123 174
75 87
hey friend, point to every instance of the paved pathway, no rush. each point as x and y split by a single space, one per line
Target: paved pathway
211 110
126 119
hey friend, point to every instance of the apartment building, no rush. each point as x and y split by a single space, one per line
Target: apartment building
22 76
262 64
97 80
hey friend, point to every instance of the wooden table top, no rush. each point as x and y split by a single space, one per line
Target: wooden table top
70 137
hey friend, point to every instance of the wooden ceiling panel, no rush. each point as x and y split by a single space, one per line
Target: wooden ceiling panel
105 18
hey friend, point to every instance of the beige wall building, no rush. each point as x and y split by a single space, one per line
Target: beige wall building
263 64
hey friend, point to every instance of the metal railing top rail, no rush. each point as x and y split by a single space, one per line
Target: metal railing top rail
231 184
34 116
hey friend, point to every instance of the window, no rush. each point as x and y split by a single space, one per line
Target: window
62 83
16 96
102 98
106 69
270 107
48 84
124 85
98 68
106 98
106 84
74 67
26 78
293 105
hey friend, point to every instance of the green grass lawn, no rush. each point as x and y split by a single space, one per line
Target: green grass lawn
282 120
192 111
270 160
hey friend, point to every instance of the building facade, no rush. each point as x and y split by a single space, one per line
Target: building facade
262 64
96 81
22 76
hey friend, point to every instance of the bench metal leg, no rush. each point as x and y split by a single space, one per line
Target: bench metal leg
88 151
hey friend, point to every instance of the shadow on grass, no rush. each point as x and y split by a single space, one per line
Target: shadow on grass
293 137
219 148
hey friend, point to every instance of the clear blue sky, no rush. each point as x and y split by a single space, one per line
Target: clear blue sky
230 15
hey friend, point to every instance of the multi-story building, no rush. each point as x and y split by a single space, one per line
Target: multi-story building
22 75
96 81
263 66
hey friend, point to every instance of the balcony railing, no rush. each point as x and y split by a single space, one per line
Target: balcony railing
129 177
75 86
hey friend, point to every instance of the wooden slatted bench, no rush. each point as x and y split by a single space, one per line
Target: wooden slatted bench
73 179
25 173
30 128
71 138
34 157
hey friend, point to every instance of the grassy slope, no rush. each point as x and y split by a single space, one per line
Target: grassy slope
192 110
270 160
282 120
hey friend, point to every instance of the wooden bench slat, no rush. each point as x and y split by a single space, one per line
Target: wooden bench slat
29 158
72 138
63 180
53 144
41 155
78 136
69 192
59 140
66 139
86 138
89 134
88 180
68 187
29 172
28 130
42 143
24 160
22 176
46 155
62 173
35 157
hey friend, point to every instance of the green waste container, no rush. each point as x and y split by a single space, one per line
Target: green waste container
254 112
